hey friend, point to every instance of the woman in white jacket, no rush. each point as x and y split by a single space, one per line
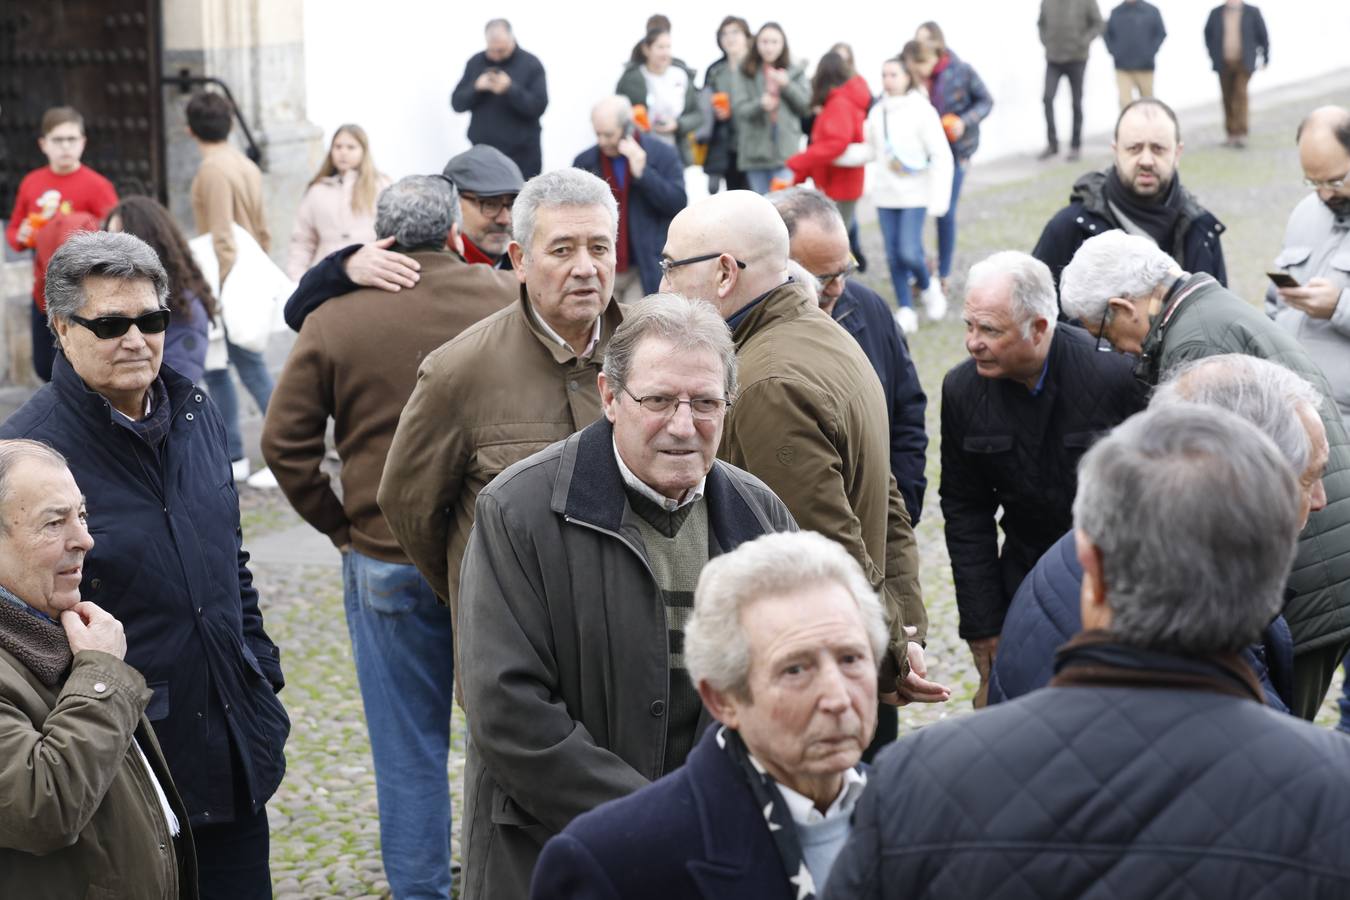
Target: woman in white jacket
910 179
339 208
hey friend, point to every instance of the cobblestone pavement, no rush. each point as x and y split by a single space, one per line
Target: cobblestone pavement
325 838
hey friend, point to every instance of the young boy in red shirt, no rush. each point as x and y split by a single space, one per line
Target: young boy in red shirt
62 186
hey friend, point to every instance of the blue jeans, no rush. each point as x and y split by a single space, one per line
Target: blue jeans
403 648
946 225
760 179
902 234
253 373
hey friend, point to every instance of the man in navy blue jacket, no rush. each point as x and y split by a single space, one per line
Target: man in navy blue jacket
1134 33
647 179
506 93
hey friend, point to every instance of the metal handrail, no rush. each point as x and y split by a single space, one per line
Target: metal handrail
184 80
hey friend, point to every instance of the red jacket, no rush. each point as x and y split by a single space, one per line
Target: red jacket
839 124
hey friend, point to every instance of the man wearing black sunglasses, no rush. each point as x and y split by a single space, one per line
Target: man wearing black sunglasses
148 448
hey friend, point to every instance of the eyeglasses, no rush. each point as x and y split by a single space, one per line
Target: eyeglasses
668 264
702 408
824 281
491 207
1334 185
109 327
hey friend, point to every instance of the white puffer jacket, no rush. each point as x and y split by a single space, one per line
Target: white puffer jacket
905 130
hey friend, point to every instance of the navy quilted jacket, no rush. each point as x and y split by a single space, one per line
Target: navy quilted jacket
1106 793
1004 447
168 561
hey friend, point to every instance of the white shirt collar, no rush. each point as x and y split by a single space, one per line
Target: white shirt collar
803 809
148 395
558 339
637 484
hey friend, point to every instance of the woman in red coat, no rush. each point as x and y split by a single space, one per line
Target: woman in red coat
843 99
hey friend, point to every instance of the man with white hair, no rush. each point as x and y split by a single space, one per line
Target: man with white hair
577 587
1127 291
1044 612
811 419
783 645
1149 766
647 179
1016 418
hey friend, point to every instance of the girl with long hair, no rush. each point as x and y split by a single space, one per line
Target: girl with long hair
191 304
843 99
769 96
339 206
733 39
664 85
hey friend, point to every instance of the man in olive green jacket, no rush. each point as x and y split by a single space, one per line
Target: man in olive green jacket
810 419
88 808
1125 289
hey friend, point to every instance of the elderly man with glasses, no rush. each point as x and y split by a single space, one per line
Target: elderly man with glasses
1016 418
148 448
811 421
577 585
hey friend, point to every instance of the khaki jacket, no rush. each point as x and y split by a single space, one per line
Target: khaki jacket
79 815
228 189
356 362
500 391
810 421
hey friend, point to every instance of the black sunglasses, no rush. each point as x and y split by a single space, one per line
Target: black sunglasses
108 327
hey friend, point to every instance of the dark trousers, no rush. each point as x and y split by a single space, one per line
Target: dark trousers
1313 670
888 729
44 344
1233 85
232 859
1053 72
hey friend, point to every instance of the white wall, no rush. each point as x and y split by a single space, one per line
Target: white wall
391 66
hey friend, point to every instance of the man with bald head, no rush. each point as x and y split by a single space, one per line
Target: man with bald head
1316 254
810 417
647 180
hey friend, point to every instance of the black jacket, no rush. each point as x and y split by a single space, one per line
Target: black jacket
509 121
697 832
1195 242
1134 32
168 561
1001 446
863 314
1106 792
653 200
1255 39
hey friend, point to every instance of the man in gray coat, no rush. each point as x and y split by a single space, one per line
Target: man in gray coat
1126 290
1067 29
576 586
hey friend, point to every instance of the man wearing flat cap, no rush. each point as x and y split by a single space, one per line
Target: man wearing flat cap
487 182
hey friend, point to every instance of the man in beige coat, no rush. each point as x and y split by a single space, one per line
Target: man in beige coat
810 420
89 809
509 386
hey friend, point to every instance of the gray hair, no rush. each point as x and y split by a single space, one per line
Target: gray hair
690 325
1111 264
716 649
1033 290
417 211
1264 393
111 255
1196 515
617 105
561 187
797 272
13 452
502 24
802 203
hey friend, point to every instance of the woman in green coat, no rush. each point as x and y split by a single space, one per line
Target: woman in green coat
664 85
769 95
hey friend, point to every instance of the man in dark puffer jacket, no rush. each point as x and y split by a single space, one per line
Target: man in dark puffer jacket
1016 418
1149 767
1044 612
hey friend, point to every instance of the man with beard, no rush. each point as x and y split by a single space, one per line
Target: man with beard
1139 194
1316 254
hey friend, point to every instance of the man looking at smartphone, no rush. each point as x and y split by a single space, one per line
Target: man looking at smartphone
647 180
1316 254
505 93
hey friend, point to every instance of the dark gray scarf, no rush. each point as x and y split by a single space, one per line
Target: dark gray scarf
34 640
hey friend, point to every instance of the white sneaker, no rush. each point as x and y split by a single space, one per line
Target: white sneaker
241 468
262 479
934 301
907 319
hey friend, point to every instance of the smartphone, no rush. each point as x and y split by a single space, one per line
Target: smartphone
1283 279
629 130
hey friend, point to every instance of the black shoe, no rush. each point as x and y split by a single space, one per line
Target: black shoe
1047 153
1074 154
861 260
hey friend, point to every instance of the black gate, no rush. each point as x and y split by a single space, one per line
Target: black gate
101 57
